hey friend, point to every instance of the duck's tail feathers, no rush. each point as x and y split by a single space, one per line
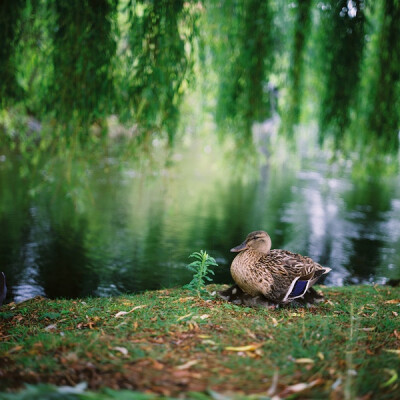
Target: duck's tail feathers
300 285
318 274
326 270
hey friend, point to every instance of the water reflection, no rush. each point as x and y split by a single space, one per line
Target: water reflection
114 230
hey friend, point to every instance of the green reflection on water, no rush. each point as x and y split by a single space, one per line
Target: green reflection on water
78 226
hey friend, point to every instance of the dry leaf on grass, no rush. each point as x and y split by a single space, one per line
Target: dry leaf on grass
299 387
122 350
184 316
187 365
250 347
392 351
51 327
304 361
393 301
15 349
274 321
121 313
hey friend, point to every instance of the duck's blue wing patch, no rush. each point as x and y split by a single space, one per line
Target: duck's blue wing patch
299 288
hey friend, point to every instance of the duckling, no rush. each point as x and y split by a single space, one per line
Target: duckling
278 275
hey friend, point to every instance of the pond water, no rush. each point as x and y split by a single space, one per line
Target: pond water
76 228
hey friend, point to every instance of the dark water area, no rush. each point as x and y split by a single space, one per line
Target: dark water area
106 227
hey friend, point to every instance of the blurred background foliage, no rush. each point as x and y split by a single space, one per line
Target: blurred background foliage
68 67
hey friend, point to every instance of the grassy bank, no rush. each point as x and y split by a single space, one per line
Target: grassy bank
171 343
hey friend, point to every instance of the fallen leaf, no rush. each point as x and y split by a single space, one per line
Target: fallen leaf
274 321
184 299
187 365
372 328
204 316
299 387
397 334
395 313
121 313
70 390
208 341
250 347
304 361
51 327
71 357
274 384
352 372
392 379
392 351
122 350
15 349
393 301
184 316
157 365
321 355
336 384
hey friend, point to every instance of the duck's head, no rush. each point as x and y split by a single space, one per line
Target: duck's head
258 241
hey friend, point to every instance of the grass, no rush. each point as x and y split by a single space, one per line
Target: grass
171 343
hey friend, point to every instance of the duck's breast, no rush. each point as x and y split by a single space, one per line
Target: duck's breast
250 274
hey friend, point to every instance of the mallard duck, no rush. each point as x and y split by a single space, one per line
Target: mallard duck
279 275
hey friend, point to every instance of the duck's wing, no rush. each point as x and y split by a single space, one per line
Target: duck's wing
298 265
302 270
296 289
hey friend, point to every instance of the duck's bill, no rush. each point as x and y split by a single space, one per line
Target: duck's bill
241 247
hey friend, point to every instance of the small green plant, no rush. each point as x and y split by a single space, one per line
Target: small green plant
202 270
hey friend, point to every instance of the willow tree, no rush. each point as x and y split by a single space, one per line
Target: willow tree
83 50
160 41
384 106
242 51
342 45
10 15
296 69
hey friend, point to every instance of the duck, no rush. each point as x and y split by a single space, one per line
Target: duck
279 276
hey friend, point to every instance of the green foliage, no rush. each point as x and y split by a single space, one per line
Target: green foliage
242 51
160 49
201 269
83 50
73 64
10 15
296 70
341 43
383 114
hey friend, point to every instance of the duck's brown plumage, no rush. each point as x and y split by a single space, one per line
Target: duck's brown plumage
259 270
